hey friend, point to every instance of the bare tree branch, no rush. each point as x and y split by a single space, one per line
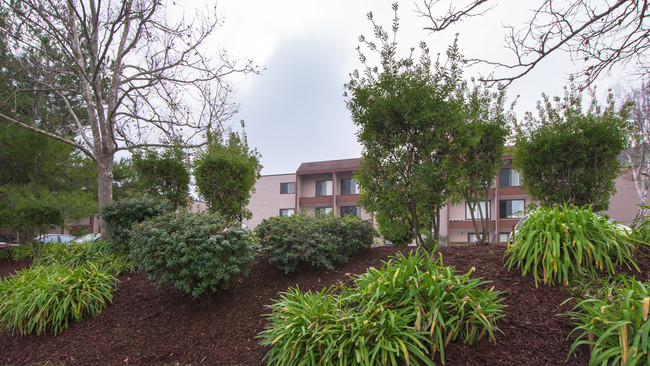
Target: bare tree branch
599 34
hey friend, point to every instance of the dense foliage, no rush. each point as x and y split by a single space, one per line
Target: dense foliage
163 174
119 216
195 252
46 299
487 126
318 241
558 244
568 155
410 307
78 254
226 174
614 323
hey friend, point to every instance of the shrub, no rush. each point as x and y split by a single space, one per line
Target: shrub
119 216
615 324
46 298
318 241
557 244
20 252
76 255
195 252
409 307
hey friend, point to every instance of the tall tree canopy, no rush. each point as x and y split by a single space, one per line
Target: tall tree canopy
411 127
119 75
568 155
488 130
165 174
598 34
225 173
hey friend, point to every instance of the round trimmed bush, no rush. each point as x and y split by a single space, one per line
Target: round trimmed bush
196 252
318 241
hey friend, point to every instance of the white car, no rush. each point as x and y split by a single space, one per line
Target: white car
88 238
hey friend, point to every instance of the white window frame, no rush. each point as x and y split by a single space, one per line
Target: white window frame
468 214
287 212
328 188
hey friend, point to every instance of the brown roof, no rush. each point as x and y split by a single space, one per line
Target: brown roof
329 166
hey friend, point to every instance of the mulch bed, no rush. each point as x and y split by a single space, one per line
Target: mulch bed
145 326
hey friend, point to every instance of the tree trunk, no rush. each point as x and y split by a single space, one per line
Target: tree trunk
104 178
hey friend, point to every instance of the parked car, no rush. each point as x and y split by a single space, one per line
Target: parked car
54 238
88 238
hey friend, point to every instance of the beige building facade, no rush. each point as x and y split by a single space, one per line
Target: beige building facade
329 186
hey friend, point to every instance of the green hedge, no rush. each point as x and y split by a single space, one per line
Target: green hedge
195 252
119 216
318 241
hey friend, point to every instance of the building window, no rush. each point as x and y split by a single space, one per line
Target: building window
350 210
323 210
349 186
287 188
484 210
511 209
504 237
471 238
286 212
324 188
509 178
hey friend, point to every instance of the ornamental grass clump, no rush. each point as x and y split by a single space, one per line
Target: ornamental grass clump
46 299
561 243
615 324
406 311
99 252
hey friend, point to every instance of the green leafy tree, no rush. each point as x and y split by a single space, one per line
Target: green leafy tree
163 174
568 155
43 183
108 76
411 127
225 175
488 129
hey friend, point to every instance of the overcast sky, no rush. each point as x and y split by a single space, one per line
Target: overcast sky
295 111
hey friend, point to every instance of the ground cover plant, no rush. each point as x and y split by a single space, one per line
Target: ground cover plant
614 323
196 252
561 243
46 299
409 310
314 240
100 253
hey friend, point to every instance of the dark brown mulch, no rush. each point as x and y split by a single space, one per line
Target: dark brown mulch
145 326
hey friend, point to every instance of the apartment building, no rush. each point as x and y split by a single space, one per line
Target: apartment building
316 187
329 186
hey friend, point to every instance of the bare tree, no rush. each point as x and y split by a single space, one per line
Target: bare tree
128 73
638 156
597 33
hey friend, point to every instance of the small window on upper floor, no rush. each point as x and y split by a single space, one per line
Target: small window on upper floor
324 188
512 209
349 186
287 212
509 177
323 210
481 210
287 188
350 210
